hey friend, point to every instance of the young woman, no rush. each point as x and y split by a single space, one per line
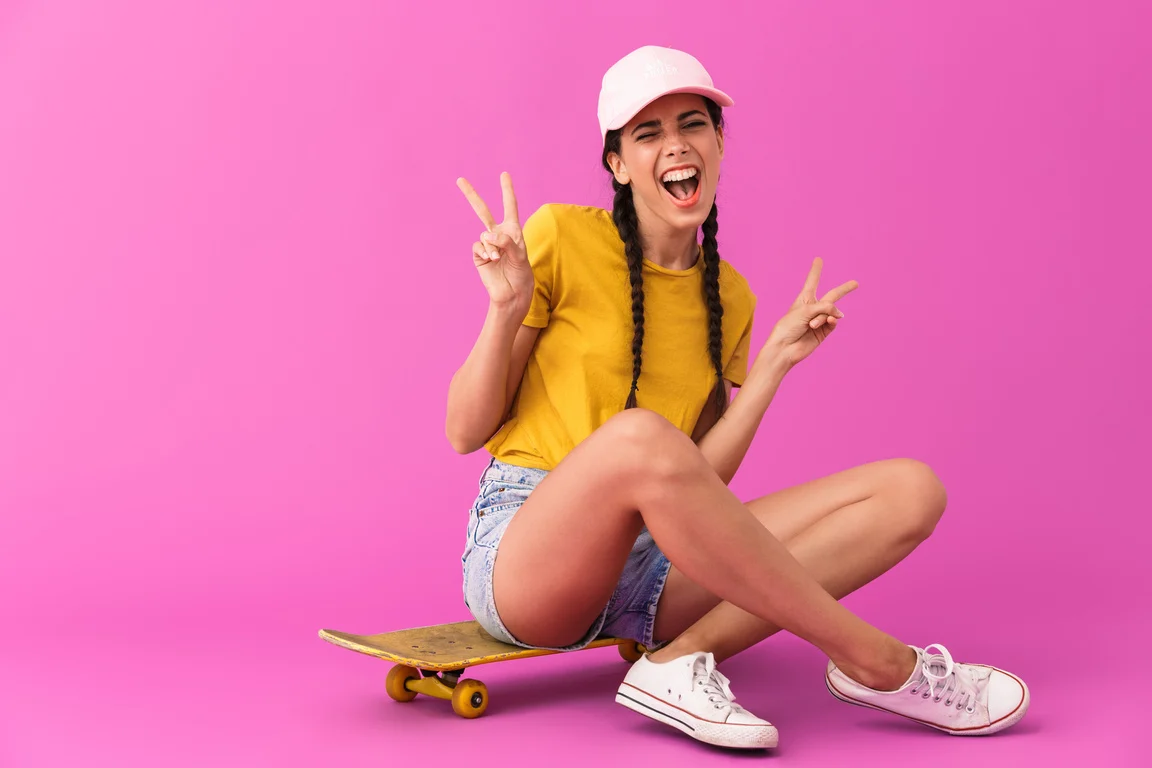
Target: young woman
601 385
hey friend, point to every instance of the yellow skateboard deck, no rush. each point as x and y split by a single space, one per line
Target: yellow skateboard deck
429 660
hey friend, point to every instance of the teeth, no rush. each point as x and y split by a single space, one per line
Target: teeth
680 175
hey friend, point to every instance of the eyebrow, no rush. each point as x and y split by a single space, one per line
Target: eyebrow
656 123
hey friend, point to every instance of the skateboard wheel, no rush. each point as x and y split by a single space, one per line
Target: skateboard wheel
397 683
470 698
631 651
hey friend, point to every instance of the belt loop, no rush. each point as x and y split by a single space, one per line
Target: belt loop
484 474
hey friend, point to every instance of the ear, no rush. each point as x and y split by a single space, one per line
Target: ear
618 170
720 141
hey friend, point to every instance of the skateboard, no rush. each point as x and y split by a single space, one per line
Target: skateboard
430 660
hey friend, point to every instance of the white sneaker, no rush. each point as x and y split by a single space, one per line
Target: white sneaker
690 694
960 699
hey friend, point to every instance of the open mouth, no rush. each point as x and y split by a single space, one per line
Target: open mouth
683 186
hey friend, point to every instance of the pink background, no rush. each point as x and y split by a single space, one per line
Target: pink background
235 280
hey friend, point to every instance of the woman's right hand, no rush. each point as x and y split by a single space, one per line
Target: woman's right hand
500 255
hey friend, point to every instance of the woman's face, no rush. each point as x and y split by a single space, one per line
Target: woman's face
670 153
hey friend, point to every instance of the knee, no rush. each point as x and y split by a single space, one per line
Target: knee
639 428
651 447
920 496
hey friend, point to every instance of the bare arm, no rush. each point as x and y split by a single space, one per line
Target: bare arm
725 442
804 327
483 388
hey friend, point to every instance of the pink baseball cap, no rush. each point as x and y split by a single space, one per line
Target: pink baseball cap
645 75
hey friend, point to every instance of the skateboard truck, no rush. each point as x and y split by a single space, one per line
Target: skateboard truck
430 660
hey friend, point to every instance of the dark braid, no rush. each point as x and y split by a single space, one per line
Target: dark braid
628 225
624 214
715 309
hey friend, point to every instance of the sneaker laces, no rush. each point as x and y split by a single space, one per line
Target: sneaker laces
713 683
940 669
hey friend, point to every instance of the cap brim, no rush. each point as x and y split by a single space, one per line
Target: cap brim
722 99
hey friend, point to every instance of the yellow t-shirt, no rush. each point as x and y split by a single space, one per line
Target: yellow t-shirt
580 371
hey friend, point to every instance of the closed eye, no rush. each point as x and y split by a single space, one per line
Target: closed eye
693 124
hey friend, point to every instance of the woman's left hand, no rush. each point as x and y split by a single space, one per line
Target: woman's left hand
808 322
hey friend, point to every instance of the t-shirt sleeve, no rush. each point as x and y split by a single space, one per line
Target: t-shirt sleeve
541 238
737 368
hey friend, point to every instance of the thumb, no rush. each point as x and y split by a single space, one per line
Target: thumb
817 308
511 247
500 240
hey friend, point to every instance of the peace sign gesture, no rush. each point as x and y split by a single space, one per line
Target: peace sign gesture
500 255
809 321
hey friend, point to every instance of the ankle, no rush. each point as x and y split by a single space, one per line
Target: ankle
681 646
888 673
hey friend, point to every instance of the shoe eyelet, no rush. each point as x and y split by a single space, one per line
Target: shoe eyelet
926 695
948 703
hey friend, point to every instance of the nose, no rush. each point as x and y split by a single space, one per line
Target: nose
675 144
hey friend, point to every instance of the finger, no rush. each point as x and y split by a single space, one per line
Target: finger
489 239
480 254
485 252
813 277
840 291
477 204
815 309
511 213
501 240
822 320
491 252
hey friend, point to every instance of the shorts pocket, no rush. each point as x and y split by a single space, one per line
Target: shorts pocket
495 494
490 525
497 502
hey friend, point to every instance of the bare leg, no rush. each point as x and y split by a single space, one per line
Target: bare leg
845 529
564 550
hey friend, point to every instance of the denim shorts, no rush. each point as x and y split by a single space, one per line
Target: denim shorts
630 612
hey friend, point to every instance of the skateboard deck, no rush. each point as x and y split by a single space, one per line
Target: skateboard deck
429 660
